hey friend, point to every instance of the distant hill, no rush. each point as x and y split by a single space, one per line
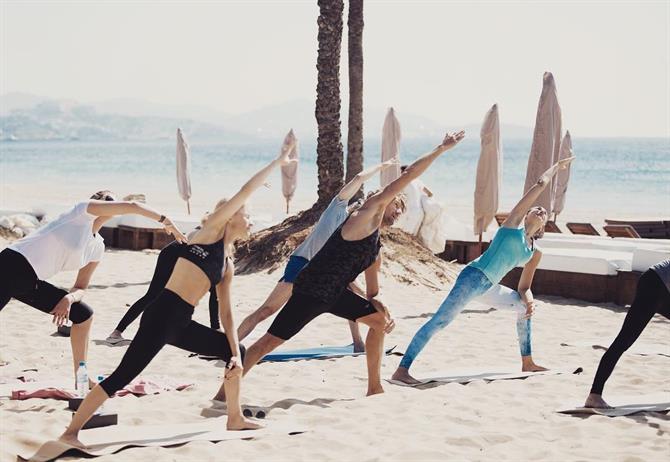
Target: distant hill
29 117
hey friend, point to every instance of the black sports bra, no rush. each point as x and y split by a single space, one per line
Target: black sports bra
209 258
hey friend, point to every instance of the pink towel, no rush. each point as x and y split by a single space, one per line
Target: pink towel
138 387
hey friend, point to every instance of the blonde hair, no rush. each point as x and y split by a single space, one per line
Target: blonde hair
103 195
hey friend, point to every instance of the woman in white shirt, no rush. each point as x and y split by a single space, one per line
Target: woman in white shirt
70 242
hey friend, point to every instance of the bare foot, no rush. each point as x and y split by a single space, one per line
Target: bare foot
71 440
402 375
375 390
359 347
240 423
115 337
528 365
596 401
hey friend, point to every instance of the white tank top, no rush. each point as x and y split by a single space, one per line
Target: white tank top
65 244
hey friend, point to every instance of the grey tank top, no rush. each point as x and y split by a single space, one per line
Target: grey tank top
663 270
337 264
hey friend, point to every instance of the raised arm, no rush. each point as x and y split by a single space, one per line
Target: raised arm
414 170
351 188
521 208
113 208
222 214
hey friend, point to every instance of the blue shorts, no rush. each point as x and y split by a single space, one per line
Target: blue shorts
293 267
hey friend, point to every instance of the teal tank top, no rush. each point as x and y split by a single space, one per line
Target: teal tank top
508 249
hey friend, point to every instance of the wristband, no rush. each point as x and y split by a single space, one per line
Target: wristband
161 219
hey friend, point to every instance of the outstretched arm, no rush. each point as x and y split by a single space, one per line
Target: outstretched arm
521 208
222 214
113 208
414 170
351 188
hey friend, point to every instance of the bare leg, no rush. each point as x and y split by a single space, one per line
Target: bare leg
236 420
255 353
79 341
91 403
359 346
374 348
277 298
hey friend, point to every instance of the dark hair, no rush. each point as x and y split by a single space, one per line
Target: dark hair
104 195
403 168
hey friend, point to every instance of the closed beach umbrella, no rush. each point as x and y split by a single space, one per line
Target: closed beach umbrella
489 172
563 175
546 142
183 169
289 173
390 147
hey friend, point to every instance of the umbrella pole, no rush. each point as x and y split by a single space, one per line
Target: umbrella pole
287 202
188 207
480 243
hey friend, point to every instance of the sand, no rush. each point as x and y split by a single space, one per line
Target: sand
506 420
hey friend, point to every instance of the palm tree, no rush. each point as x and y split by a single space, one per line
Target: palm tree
329 153
355 134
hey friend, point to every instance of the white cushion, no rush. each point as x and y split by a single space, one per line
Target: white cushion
644 258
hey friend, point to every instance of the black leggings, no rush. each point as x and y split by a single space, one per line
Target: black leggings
166 260
166 320
18 280
651 297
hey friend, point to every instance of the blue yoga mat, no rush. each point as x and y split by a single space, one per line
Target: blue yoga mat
314 353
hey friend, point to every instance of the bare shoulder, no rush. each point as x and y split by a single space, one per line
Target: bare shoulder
362 223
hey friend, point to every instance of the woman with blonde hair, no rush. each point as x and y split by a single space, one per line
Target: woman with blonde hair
168 318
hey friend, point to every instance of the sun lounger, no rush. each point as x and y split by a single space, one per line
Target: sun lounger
552 227
651 229
621 231
583 228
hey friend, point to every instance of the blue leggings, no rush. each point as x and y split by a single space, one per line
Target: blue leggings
471 284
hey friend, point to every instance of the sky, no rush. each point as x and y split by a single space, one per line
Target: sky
449 61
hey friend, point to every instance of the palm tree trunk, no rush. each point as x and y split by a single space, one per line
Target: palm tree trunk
329 152
355 134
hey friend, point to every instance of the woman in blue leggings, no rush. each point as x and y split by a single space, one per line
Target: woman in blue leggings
512 246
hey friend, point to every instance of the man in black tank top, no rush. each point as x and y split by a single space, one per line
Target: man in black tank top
323 285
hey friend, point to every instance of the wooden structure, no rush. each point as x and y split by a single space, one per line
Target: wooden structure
583 228
621 231
650 229
131 238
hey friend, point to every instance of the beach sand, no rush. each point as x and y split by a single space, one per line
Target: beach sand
503 420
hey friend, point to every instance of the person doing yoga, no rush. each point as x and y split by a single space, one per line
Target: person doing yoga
168 318
322 285
652 296
167 258
512 246
70 242
337 211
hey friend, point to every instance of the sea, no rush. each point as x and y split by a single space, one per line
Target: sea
610 178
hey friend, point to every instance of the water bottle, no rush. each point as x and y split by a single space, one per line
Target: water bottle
101 409
82 380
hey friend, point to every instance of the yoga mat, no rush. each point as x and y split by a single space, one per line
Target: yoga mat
6 389
315 353
659 402
642 349
487 374
121 343
108 440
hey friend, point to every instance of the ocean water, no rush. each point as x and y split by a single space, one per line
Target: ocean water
610 178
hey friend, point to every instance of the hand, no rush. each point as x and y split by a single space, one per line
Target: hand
390 322
234 369
451 139
283 157
172 230
530 309
62 310
565 163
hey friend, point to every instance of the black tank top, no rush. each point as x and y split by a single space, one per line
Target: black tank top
208 257
337 264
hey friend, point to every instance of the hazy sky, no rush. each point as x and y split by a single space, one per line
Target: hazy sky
446 60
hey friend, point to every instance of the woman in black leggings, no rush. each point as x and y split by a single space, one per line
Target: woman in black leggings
68 243
168 318
652 297
167 258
